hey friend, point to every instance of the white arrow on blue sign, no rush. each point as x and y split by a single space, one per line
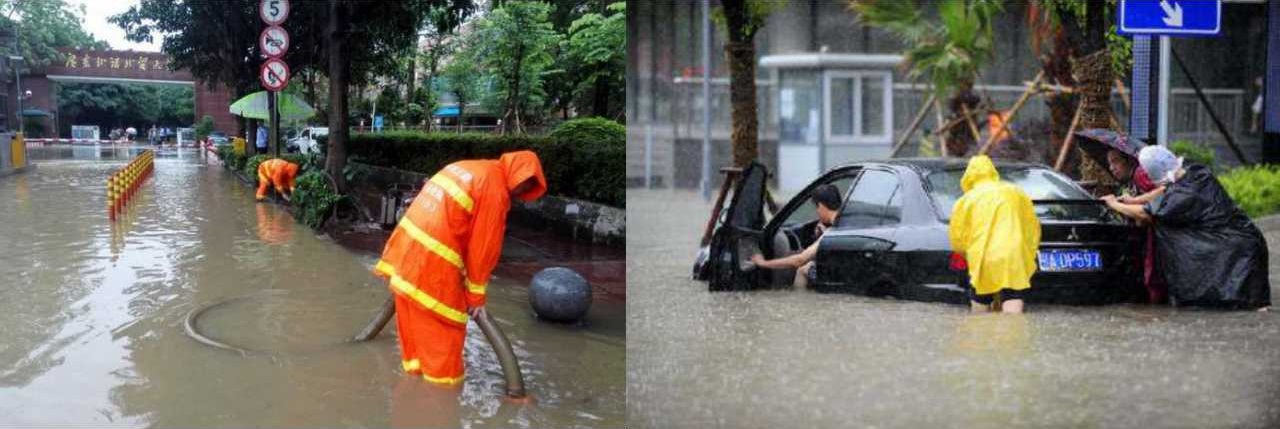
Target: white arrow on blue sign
1171 17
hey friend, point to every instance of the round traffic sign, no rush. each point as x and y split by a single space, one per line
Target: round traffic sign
273 41
273 12
274 74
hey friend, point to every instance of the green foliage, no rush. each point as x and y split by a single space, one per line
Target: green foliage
122 105
1254 188
462 79
250 168
230 159
947 55
1194 152
314 199
587 162
204 127
45 25
597 47
599 158
512 46
1119 47
756 15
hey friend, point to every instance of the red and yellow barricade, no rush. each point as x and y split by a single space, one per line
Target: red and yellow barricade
123 183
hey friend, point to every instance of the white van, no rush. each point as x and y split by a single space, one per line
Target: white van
305 142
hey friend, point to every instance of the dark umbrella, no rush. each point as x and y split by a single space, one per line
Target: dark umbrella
1096 142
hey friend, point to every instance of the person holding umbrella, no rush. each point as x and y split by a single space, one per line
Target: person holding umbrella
1120 155
1212 255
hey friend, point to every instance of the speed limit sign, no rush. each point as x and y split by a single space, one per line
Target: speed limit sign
274 74
273 12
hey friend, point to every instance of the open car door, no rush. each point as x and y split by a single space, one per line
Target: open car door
729 264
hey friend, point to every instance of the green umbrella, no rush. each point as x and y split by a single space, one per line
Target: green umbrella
254 106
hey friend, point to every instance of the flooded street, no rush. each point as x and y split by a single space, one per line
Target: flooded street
92 315
799 359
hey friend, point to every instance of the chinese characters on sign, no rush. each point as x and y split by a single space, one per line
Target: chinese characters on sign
90 61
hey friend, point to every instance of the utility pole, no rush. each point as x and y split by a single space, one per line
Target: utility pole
17 79
705 184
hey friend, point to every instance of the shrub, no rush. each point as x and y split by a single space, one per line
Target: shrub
583 158
1254 188
1194 152
250 169
230 159
313 198
599 153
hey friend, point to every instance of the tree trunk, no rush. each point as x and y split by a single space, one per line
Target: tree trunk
960 137
413 75
339 66
1062 106
742 97
600 103
1091 68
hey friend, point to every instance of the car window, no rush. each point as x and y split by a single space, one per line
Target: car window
1039 184
806 213
873 202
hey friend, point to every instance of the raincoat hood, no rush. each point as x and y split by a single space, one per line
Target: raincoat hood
980 170
520 166
1161 164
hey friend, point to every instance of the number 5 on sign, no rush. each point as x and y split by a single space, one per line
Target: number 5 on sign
273 12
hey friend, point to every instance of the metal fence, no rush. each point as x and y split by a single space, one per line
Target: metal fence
666 151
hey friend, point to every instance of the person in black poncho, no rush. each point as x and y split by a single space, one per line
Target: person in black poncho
1211 254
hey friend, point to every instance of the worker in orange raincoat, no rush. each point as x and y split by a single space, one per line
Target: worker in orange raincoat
439 257
994 226
277 173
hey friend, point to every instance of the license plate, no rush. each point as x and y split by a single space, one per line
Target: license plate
1070 260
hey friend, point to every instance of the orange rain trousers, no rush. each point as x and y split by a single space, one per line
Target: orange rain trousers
277 173
440 257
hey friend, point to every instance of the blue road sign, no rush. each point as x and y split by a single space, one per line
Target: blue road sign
1171 17
377 123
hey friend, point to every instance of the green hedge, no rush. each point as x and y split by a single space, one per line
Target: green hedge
582 158
1194 152
314 198
1254 188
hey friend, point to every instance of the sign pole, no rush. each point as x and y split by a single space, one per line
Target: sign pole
1163 101
272 131
1271 88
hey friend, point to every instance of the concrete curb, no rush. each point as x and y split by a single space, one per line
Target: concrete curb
1268 223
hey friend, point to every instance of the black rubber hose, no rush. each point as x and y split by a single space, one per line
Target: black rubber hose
506 356
497 339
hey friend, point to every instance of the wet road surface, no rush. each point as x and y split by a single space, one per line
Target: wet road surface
91 316
799 359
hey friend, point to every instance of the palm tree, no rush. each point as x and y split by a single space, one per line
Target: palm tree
741 20
1081 29
947 55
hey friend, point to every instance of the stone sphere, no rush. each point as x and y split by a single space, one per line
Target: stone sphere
559 294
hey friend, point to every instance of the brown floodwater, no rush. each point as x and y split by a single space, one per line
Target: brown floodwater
92 311
786 359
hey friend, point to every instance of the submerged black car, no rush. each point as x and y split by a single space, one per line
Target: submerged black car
890 238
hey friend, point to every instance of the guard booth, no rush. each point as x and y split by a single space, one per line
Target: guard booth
832 108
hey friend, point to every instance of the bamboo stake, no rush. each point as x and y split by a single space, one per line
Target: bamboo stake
1013 113
942 136
915 123
1066 143
1124 95
973 126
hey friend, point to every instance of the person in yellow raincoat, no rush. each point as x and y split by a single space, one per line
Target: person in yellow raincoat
994 226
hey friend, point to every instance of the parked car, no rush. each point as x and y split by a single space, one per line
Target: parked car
306 141
219 138
890 238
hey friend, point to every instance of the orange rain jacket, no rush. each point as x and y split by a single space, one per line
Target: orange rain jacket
278 173
439 257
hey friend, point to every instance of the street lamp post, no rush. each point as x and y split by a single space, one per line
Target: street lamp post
17 82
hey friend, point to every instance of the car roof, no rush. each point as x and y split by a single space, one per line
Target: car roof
929 165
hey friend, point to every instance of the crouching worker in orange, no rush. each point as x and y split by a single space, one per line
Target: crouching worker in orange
439 257
994 226
277 173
